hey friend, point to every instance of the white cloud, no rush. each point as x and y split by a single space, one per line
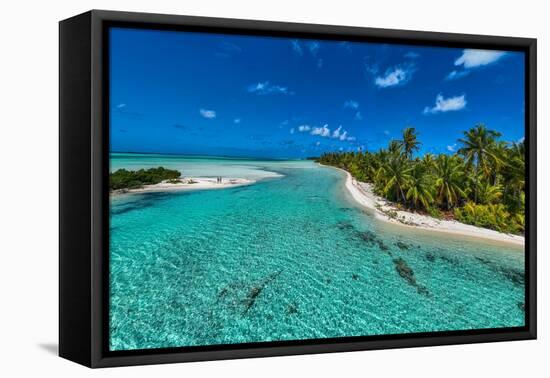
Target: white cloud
237 120
317 143
394 76
319 63
372 68
443 105
474 58
386 132
210 114
351 104
451 148
336 133
454 74
341 134
292 130
265 88
321 131
120 106
412 55
345 136
313 47
345 45
296 47
325 132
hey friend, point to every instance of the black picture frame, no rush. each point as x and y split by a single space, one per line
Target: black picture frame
84 205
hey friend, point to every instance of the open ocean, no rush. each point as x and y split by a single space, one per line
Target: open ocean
290 257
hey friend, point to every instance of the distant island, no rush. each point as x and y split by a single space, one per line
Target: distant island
125 179
481 184
161 179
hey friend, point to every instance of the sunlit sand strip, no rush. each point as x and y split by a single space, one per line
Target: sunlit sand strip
363 194
189 183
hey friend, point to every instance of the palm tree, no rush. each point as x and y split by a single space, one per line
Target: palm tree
420 186
410 142
428 161
395 147
449 180
368 165
393 177
497 160
478 150
484 181
489 194
514 176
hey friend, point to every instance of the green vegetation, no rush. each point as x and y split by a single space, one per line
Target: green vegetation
125 179
493 216
483 183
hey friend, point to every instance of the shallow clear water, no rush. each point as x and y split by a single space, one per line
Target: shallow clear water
198 166
289 258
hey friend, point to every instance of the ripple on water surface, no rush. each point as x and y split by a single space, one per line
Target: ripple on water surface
292 258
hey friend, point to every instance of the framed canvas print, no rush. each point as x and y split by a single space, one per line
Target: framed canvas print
234 188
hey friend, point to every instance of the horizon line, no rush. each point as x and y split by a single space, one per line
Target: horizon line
243 157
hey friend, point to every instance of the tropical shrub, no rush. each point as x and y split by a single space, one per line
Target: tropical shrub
125 179
493 216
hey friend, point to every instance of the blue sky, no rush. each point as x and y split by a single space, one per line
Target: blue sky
211 94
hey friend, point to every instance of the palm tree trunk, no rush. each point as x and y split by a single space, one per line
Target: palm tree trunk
476 184
402 195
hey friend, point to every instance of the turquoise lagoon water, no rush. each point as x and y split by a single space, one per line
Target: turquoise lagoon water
289 257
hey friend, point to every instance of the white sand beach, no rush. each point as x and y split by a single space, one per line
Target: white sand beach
363 194
189 183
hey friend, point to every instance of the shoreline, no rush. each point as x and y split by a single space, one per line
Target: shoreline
199 183
362 194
